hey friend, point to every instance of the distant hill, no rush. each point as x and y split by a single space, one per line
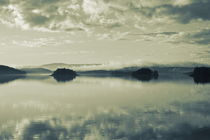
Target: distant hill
36 70
54 66
5 70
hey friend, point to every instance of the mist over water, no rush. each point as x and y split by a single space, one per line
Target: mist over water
115 65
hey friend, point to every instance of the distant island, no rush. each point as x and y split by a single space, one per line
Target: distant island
36 70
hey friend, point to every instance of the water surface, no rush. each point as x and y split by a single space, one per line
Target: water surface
104 108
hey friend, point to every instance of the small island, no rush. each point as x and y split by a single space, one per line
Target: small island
201 75
64 75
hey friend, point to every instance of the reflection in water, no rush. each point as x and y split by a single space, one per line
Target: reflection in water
104 108
121 124
9 78
43 130
199 80
145 78
64 78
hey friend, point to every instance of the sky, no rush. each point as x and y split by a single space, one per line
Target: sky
35 32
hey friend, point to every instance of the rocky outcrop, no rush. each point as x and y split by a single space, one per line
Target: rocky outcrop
145 74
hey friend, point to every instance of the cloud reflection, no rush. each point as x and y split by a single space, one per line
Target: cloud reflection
147 123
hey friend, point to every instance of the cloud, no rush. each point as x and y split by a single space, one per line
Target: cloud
201 37
48 14
153 36
186 13
182 11
4 2
103 17
159 33
37 42
54 14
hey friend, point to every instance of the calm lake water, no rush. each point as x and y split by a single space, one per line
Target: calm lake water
104 108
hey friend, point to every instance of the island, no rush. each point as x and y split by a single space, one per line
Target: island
201 75
64 75
8 74
5 70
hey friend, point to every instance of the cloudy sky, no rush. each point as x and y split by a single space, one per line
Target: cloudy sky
34 32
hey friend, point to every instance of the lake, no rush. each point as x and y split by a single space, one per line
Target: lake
104 108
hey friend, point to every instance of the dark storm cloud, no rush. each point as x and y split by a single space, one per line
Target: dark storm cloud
203 34
202 37
203 41
3 2
183 13
186 13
